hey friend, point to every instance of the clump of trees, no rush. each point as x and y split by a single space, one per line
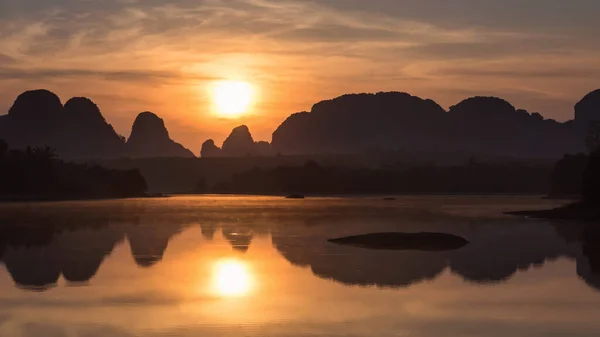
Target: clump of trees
591 176
37 173
579 175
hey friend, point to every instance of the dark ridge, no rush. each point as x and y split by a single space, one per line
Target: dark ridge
36 104
588 109
238 144
150 138
210 150
384 122
82 108
86 133
351 124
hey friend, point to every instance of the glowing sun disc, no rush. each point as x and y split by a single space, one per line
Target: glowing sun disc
232 278
232 98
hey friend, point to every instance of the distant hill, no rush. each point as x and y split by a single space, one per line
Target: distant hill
150 138
33 120
588 109
393 121
239 144
356 124
87 132
78 130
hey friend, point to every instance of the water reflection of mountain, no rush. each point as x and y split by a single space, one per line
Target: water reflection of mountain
588 263
39 247
496 253
239 238
77 255
149 242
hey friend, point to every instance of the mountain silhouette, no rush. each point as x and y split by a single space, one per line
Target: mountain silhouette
356 123
33 120
349 124
210 150
86 132
492 125
238 144
78 130
150 138
393 121
588 109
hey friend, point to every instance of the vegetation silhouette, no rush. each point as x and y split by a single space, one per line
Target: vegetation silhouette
37 173
576 176
313 178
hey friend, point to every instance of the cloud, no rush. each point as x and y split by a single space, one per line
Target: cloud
331 33
560 73
5 59
579 15
311 48
34 329
111 75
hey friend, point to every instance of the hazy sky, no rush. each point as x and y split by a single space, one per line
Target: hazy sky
135 55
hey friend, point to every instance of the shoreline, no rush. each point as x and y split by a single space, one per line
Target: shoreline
579 211
25 199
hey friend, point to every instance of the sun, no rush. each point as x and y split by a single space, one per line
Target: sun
232 99
232 278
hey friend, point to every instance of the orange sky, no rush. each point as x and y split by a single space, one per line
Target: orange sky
131 56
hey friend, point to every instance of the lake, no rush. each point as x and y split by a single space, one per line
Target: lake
262 266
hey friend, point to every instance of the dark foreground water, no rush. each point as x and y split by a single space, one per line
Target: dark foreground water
261 266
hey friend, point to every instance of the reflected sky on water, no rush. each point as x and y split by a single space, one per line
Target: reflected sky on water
256 266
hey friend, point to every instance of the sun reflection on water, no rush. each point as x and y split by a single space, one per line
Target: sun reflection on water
232 278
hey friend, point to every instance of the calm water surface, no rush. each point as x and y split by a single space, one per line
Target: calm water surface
262 266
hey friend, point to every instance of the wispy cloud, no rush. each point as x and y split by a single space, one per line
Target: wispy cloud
111 75
154 49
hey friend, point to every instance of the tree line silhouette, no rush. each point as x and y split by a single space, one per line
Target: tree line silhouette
312 178
576 176
37 173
